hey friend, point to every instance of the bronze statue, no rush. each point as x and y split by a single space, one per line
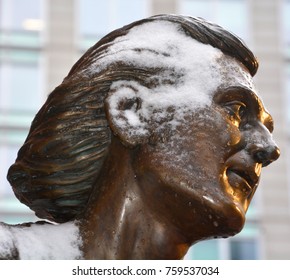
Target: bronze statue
154 141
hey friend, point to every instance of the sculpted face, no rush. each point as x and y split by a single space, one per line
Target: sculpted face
208 167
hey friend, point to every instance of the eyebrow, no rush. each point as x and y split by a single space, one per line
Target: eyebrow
234 91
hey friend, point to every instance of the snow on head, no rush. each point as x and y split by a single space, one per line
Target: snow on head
190 73
161 45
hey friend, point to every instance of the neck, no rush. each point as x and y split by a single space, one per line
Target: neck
118 224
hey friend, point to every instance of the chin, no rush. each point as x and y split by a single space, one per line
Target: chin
234 219
227 219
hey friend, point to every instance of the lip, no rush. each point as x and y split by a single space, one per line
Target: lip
245 180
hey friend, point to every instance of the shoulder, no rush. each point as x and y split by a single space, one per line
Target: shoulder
8 250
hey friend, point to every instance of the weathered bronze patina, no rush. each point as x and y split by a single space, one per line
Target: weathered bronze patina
147 195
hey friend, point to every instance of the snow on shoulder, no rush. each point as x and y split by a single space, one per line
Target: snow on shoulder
40 242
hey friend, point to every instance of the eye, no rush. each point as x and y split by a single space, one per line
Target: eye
237 112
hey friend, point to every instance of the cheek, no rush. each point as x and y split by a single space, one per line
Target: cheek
193 153
210 139
233 134
221 134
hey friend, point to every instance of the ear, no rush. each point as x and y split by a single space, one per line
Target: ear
123 108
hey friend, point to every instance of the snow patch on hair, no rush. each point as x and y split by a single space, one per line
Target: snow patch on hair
197 70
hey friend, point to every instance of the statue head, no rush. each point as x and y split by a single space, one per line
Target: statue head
179 92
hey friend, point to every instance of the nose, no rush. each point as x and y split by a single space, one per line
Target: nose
262 147
267 155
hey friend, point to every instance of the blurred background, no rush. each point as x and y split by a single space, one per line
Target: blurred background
41 39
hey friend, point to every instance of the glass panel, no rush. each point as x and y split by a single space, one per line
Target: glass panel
25 83
19 56
127 11
23 39
93 16
21 90
205 250
11 210
250 229
13 136
253 209
8 156
14 119
286 24
197 8
98 17
21 14
11 205
5 15
287 85
244 249
230 14
286 41
20 81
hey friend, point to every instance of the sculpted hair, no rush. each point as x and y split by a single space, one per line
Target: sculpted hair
68 141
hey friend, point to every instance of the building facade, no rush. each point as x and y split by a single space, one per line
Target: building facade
41 39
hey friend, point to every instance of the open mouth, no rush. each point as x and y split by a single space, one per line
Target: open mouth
242 180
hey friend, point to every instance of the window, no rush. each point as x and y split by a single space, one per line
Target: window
21 90
286 40
231 14
244 249
98 17
205 250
